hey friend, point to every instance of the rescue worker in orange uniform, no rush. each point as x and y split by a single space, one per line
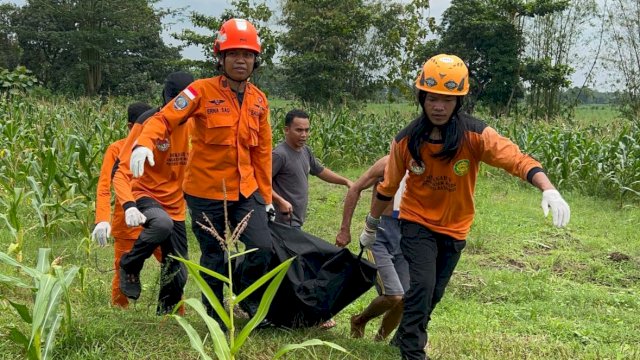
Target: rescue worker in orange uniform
231 148
155 201
124 237
442 150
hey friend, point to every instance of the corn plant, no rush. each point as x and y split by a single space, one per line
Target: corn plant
50 287
346 137
227 349
594 161
13 220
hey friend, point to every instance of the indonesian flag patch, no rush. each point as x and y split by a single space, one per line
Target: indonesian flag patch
182 101
190 92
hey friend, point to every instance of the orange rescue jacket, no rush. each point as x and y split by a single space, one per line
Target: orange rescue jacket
119 228
439 194
162 182
229 142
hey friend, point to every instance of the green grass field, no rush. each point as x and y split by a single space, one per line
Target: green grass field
523 289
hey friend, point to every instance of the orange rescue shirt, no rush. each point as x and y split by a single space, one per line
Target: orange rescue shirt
119 228
439 195
162 182
229 142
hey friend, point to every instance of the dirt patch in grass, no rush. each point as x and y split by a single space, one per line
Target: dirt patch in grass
618 257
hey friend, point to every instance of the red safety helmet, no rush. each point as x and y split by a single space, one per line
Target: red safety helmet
237 34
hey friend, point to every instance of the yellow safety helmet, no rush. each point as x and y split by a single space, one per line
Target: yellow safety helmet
444 74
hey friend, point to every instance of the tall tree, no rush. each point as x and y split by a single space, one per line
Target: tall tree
258 14
337 50
67 43
494 51
624 61
9 48
551 41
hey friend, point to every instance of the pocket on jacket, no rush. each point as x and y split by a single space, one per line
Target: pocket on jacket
254 130
220 130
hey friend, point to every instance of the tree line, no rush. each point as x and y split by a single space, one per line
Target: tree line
521 54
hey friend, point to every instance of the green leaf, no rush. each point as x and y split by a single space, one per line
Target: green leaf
284 265
280 272
203 269
242 253
23 311
206 290
51 335
12 262
44 260
14 282
194 338
220 345
67 279
18 337
45 287
313 342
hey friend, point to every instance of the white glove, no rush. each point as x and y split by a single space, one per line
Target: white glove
138 157
133 217
559 208
271 212
368 235
101 233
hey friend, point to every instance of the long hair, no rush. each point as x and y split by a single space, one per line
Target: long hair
453 133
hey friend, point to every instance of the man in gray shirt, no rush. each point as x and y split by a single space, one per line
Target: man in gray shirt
292 163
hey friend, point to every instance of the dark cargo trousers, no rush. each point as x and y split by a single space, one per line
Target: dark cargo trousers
171 236
255 235
432 257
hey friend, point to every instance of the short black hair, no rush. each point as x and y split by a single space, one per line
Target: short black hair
295 113
135 110
175 83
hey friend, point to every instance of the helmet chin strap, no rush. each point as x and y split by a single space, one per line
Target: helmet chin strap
234 80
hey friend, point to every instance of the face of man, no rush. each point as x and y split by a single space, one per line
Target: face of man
439 108
238 63
297 133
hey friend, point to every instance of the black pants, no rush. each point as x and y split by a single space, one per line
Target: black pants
171 236
255 235
432 257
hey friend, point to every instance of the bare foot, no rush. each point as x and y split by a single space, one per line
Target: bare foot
379 337
327 324
357 327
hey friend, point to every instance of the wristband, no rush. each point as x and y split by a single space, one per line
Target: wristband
372 222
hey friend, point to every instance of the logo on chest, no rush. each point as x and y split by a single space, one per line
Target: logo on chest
416 168
461 167
163 145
